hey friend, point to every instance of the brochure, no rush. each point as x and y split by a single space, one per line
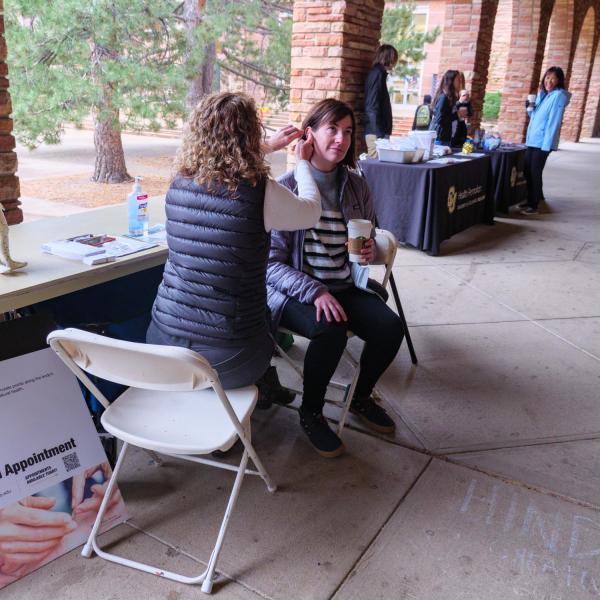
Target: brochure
53 470
94 249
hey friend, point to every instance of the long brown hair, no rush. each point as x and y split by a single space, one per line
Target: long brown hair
386 55
223 142
331 110
446 86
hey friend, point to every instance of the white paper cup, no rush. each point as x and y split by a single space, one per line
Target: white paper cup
359 231
531 98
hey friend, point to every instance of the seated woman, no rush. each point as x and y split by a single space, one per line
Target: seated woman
220 208
311 290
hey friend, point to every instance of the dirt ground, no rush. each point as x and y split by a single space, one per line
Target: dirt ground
78 190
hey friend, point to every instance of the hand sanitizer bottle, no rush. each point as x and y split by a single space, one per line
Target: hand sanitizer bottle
137 210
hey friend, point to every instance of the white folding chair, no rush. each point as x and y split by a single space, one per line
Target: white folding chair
387 246
385 253
175 405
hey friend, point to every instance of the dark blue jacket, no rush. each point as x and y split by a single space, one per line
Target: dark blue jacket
213 291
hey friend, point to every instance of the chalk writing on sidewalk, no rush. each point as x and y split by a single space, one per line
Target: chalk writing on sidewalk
536 543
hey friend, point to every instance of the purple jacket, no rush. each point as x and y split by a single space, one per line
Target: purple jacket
285 278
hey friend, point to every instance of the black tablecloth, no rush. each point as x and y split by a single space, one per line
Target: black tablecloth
425 204
509 185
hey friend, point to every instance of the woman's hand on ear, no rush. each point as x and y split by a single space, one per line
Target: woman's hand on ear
282 137
304 148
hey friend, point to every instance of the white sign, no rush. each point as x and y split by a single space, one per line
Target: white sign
53 470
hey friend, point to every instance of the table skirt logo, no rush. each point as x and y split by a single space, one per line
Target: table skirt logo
513 177
451 199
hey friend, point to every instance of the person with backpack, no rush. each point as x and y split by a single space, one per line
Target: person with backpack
423 115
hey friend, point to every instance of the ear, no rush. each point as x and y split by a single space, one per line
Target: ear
308 134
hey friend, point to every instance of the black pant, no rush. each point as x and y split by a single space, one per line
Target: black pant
535 161
368 317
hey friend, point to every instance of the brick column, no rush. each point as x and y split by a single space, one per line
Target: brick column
466 45
500 47
560 34
579 77
9 183
333 44
592 107
530 22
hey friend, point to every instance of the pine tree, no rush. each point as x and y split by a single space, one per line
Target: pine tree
115 59
398 29
139 64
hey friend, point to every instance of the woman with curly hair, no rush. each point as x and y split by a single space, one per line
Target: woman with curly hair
221 207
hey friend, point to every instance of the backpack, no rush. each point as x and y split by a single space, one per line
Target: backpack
423 117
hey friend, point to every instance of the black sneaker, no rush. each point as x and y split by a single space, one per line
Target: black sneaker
324 441
529 210
523 205
270 391
372 415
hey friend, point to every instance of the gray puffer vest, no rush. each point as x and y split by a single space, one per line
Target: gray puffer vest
213 291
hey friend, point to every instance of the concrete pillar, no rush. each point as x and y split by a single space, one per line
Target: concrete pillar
466 45
333 44
9 182
530 20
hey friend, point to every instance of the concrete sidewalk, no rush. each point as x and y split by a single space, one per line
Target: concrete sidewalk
490 489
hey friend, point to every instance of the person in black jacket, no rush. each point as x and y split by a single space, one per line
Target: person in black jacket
444 109
378 107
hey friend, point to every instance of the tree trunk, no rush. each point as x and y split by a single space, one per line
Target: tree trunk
202 82
110 159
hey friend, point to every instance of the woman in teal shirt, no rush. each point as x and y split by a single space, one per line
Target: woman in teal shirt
543 133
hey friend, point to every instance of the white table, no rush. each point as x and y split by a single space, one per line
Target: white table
48 276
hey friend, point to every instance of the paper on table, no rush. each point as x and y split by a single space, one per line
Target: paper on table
447 160
69 249
122 246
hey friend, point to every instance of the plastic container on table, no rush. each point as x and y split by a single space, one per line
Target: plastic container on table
424 140
400 156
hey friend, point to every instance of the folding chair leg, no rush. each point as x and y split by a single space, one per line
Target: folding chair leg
258 463
411 349
289 361
348 395
89 545
214 557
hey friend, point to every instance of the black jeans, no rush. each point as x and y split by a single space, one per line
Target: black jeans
368 317
535 161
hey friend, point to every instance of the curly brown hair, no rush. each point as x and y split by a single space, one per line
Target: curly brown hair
223 143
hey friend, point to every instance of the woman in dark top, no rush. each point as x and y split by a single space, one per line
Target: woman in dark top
378 107
444 112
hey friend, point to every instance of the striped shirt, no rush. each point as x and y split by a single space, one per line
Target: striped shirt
325 250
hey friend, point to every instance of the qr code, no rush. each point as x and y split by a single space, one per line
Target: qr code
71 461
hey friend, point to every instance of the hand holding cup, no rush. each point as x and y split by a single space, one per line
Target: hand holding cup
359 234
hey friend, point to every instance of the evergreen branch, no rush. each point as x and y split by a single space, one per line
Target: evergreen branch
268 6
251 66
247 77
